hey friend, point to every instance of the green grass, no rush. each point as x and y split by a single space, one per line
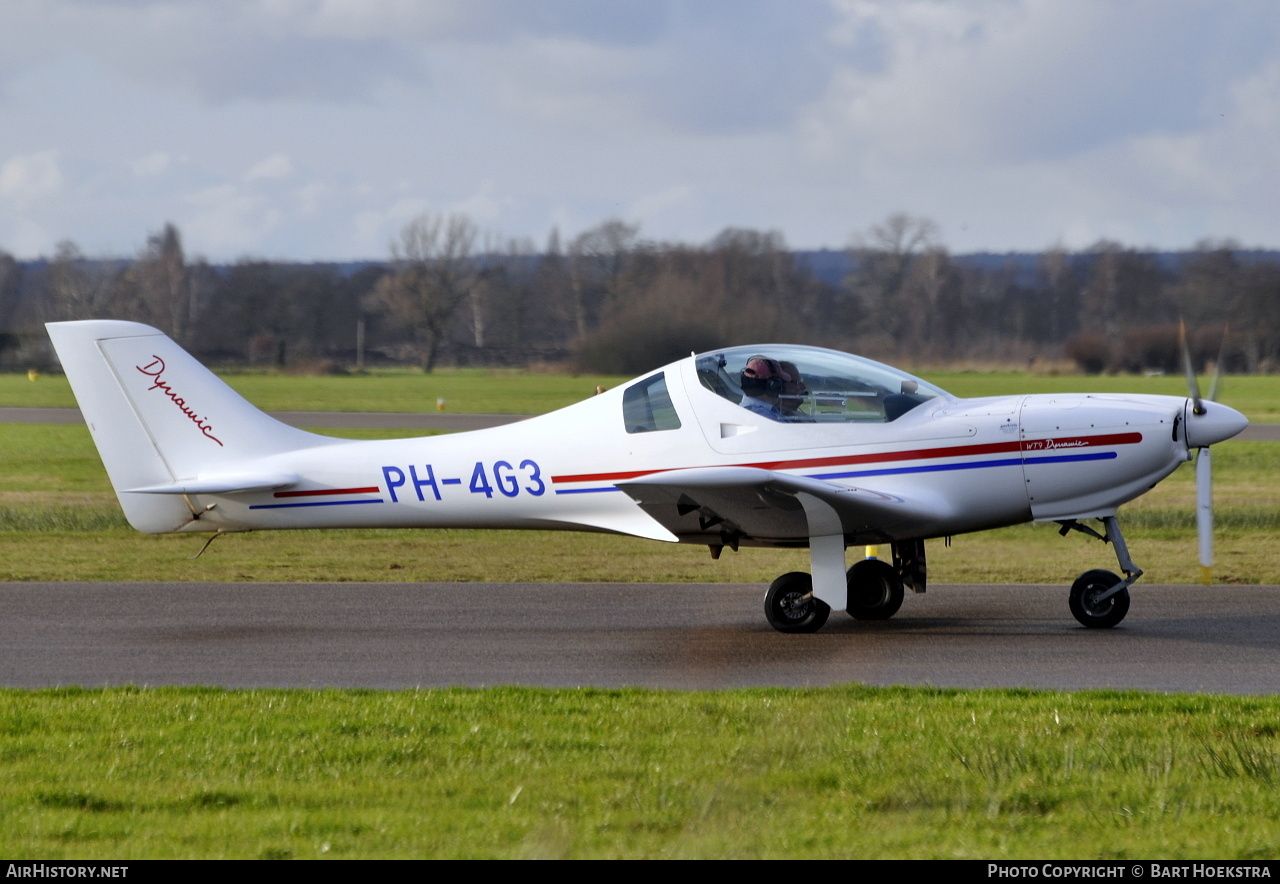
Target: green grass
506 391
513 772
409 391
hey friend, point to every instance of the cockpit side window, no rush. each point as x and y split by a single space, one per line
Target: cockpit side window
646 406
794 384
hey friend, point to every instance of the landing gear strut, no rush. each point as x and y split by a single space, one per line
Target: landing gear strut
1100 599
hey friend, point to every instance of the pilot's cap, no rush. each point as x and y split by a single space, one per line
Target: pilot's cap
764 368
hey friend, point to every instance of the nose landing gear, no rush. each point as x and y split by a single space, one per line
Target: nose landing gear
1100 599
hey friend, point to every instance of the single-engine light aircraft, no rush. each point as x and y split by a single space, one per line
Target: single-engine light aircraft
769 445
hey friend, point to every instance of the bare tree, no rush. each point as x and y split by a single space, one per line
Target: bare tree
519 307
75 288
158 287
930 301
1057 310
754 261
1123 289
597 259
900 236
10 288
1208 291
483 292
881 259
433 270
748 279
1258 315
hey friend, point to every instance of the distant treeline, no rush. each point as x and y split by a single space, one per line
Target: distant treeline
611 301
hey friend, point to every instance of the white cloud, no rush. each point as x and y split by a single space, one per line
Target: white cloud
31 177
216 51
485 206
152 165
25 237
651 208
1012 81
228 220
278 165
318 128
312 198
369 234
374 229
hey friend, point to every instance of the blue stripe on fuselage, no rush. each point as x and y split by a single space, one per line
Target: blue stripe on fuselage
924 468
971 465
281 506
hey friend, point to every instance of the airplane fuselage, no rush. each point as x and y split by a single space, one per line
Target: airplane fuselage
987 462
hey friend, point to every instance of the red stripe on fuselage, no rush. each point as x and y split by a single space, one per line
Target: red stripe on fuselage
889 456
317 492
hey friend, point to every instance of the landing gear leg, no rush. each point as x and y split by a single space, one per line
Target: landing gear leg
1100 599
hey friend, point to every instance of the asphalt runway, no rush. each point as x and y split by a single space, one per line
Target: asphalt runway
1176 638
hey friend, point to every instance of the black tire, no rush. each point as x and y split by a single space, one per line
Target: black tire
789 604
875 590
1094 614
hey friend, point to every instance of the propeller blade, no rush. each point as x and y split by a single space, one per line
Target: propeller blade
1193 387
1217 367
1204 514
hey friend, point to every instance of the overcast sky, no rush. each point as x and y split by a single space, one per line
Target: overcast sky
315 129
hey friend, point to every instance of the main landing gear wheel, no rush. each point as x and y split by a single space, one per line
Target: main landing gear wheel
790 606
1086 607
875 590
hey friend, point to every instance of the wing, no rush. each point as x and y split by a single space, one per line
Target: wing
746 503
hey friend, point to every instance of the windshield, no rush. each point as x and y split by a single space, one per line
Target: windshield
795 384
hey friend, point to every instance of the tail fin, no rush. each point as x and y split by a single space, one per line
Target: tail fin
165 425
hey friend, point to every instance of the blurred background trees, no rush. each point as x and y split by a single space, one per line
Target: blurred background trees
433 269
612 301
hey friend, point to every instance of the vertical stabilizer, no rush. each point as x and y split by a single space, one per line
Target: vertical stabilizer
159 417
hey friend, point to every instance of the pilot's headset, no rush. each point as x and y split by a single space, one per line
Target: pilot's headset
766 379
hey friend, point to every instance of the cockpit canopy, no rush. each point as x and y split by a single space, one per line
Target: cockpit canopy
796 384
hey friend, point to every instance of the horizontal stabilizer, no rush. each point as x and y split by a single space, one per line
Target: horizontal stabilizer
223 484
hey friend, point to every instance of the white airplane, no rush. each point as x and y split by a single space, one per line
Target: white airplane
767 445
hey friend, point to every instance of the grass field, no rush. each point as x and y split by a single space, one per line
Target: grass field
59 521
502 391
404 391
513 772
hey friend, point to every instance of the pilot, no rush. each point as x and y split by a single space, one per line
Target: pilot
762 382
793 395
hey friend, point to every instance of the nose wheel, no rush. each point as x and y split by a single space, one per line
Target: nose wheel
1100 599
1094 604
